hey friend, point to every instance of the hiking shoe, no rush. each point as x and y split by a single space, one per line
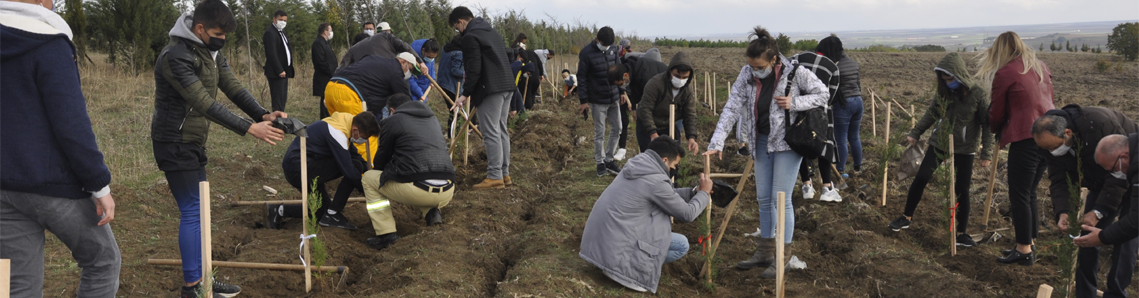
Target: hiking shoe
506 181
221 290
830 195
382 241
601 171
620 154
433 217
491 183
273 218
612 167
965 240
808 191
336 221
900 223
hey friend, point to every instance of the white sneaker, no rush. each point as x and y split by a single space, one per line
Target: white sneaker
830 195
620 155
808 191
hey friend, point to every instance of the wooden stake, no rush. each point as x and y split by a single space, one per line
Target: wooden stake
708 215
448 98
304 212
466 141
913 118
1076 254
1044 292
671 121
992 186
952 199
730 210
207 252
525 89
873 115
5 277
248 265
780 235
886 169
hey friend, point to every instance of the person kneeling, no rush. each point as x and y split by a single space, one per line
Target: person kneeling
417 169
628 233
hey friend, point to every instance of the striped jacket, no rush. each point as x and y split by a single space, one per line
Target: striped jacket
828 72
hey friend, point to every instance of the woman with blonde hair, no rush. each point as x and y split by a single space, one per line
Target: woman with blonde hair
1023 84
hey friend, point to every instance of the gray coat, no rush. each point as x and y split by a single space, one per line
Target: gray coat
628 232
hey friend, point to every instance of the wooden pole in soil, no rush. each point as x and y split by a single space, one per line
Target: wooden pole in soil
524 90
913 118
728 214
992 186
886 168
671 121
708 217
780 233
207 252
1076 255
952 199
304 212
448 98
873 113
5 277
1044 292
466 140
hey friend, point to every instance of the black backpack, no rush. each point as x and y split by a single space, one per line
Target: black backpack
806 135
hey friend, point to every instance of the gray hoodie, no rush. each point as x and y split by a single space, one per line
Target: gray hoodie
39 13
628 232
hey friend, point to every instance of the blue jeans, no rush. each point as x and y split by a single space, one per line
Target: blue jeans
677 249
184 187
847 122
775 172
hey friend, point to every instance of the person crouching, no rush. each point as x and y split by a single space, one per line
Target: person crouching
628 233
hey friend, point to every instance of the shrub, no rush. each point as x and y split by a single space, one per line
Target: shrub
1102 65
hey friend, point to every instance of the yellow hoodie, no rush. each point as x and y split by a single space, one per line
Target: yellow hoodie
343 123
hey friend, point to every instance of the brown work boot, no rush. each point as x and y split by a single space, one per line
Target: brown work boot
770 272
763 257
506 181
490 183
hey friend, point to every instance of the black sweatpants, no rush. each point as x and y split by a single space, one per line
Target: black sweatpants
1026 166
807 169
323 171
964 167
279 92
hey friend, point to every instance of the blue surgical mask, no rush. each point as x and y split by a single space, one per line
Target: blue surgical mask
762 73
429 60
602 48
954 84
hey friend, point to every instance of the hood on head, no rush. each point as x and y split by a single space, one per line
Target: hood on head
954 65
417 45
184 28
652 54
680 58
33 19
644 164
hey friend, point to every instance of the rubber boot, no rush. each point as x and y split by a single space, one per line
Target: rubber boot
769 273
764 255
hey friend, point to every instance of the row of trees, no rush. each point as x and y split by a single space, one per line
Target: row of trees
1069 48
898 49
783 41
132 32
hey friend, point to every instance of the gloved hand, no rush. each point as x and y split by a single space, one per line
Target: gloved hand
360 164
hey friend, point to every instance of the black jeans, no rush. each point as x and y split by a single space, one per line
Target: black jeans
624 140
279 92
1122 260
806 170
964 167
322 171
1026 166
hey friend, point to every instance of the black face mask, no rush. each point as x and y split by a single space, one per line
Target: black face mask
215 44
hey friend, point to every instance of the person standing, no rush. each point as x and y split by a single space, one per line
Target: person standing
52 174
323 64
848 111
188 74
759 97
669 88
488 87
451 73
278 60
598 94
1021 92
824 68
1069 134
370 28
959 108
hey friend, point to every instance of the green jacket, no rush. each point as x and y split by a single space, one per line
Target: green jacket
652 111
187 78
968 112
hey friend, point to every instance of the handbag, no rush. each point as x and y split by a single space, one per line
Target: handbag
805 136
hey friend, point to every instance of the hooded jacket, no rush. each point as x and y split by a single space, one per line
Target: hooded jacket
375 78
323 64
1018 99
593 75
48 144
965 115
644 68
419 83
1127 227
412 147
849 83
652 111
484 58
1089 125
187 78
628 231
808 92
382 44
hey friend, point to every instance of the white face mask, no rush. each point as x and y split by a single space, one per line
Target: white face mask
1119 174
370 32
359 140
762 73
678 82
1060 151
280 25
407 75
330 33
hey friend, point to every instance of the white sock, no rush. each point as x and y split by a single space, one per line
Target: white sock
281 210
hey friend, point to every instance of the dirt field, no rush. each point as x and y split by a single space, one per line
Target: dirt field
523 241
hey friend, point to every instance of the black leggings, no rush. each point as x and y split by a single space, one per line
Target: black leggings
1026 166
932 160
807 169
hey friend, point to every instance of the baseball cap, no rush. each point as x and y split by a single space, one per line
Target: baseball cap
407 56
385 26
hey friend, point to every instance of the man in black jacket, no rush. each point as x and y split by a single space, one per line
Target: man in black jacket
596 92
382 44
489 87
642 68
1070 134
1119 155
416 168
278 60
323 64
367 84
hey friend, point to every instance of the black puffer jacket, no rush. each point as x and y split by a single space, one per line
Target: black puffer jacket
412 147
593 75
484 57
1089 125
644 68
849 84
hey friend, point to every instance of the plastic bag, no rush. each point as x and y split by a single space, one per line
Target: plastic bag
911 161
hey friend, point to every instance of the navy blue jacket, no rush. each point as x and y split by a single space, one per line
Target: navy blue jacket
325 143
450 70
593 75
48 144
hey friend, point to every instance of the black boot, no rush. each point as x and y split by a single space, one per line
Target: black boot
433 217
764 255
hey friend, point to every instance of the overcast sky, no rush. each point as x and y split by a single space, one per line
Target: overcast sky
713 17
